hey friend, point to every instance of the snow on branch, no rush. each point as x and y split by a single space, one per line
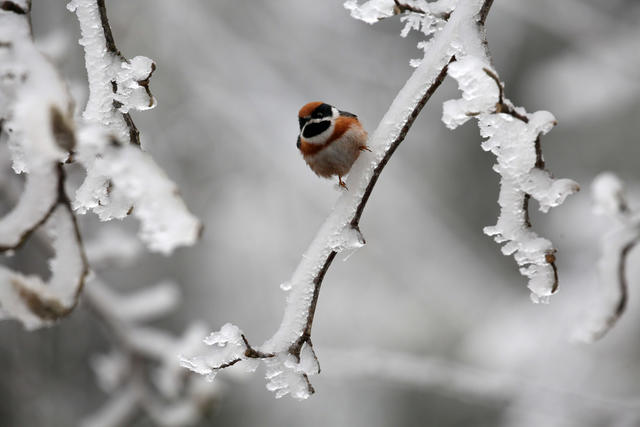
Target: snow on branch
513 136
37 303
36 116
134 179
610 200
141 372
288 355
120 176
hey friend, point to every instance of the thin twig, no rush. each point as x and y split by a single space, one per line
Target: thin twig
403 7
134 134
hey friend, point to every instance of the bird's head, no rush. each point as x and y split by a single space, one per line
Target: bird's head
317 122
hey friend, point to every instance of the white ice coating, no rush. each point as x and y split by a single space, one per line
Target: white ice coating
147 304
370 11
135 180
173 399
513 142
111 369
34 302
610 200
284 374
122 177
105 67
228 346
30 91
429 21
39 195
607 192
130 93
479 91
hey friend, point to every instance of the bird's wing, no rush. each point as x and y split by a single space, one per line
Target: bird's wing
347 114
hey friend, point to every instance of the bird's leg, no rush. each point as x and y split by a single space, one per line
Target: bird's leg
341 183
364 148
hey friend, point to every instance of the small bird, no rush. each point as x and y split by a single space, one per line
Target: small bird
330 140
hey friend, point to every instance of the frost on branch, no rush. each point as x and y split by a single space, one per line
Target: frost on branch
120 176
134 179
37 303
116 84
513 136
370 11
141 372
610 201
417 15
36 119
288 355
286 373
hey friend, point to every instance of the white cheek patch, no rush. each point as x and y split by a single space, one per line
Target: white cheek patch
322 137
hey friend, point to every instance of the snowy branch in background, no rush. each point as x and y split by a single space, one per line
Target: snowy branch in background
610 200
36 117
37 303
119 175
288 355
467 383
141 372
513 136
165 221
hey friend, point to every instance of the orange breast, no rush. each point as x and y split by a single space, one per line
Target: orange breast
307 148
343 123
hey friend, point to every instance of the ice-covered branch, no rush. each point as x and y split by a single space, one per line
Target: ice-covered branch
288 355
36 117
116 84
610 200
134 179
119 175
37 303
141 372
513 135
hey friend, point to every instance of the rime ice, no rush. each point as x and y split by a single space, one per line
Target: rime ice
34 302
611 300
427 18
288 354
121 176
512 137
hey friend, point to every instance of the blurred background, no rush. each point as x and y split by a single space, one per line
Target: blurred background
428 324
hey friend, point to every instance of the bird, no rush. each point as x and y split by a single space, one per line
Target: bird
330 140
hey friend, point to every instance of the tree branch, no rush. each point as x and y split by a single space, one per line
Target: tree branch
613 293
294 359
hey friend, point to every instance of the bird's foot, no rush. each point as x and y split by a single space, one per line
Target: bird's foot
364 148
341 183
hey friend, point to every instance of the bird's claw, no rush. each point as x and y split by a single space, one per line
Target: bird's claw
342 184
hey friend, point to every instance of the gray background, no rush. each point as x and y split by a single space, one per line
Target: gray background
231 76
